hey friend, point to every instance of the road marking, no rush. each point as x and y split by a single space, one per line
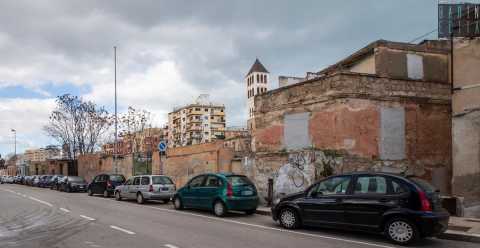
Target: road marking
65 210
86 217
170 246
122 230
43 202
273 228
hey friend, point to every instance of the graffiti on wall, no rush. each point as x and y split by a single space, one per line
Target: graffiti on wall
303 168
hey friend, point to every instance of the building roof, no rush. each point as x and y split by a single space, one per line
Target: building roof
257 67
427 46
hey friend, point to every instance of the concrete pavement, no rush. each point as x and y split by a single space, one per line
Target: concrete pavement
34 217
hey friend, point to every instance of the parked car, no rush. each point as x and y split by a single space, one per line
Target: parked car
43 181
218 192
35 181
404 209
105 184
146 187
55 182
72 184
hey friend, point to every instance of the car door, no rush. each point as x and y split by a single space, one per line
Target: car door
144 184
96 185
369 201
323 203
125 188
133 189
190 193
209 191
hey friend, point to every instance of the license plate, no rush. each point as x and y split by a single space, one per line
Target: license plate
247 192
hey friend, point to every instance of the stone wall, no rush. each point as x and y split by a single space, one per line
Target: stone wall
93 164
182 163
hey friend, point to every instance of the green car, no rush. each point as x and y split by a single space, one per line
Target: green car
218 192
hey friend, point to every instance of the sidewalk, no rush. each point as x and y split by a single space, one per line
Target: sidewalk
462 229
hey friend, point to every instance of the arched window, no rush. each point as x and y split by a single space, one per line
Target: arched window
265 78
258 78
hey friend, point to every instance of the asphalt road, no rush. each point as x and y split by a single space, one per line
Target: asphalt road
34 217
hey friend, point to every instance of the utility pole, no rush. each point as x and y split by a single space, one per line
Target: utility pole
115 146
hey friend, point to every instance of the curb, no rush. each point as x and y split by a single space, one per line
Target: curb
448 235
460 236
265 212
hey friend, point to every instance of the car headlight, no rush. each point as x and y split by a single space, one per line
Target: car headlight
276 201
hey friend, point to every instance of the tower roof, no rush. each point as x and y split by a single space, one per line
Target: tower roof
257 67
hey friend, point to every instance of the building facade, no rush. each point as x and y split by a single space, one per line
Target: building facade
42 154
385 108
200 122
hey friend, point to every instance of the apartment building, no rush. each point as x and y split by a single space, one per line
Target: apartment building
42 154
199 122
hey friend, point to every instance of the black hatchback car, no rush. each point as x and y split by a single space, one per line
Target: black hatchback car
105 184
72 184
402 208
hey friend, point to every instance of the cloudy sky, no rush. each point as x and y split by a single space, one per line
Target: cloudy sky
169 52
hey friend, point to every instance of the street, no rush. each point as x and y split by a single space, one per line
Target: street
35 217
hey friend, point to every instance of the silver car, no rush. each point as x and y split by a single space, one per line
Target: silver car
146 187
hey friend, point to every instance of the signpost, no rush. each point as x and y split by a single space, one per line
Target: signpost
162 148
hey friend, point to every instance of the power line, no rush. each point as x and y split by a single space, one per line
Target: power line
424 35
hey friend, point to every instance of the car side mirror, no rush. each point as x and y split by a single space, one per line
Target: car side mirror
316 194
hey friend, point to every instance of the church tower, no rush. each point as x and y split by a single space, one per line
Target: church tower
256 81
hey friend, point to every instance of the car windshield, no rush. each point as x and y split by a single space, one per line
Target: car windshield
239 180
76 179
117 178
424 185
161 180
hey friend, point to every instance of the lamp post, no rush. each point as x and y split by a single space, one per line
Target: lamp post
15 142
115 146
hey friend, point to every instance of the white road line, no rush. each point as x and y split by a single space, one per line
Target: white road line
122 230
43 202
65 210
86 217
274 229
170 246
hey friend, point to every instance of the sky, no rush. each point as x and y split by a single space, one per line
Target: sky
169 52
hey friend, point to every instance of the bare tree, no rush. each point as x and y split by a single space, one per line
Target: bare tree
133 126
78 125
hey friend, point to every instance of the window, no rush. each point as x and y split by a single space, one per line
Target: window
161 180
265 78
239 180
145 180
206 109
212 181
398 188
211 118
332 186
371 185
129 181
258 91
258 78
197 109
136 181
196 182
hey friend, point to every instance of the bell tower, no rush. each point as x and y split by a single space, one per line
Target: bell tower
256 82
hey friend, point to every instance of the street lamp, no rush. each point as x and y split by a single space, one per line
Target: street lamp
15 141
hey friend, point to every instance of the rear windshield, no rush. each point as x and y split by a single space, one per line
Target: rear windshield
161 180
239 180
424 185
76 179
117 178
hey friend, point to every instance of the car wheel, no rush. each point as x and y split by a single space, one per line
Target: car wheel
401 231
89 192
177 203
140 199
219 209
67 189
118 197
106 194
289 218
251 211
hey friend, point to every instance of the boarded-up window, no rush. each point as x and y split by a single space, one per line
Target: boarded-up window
415 66
392 133
296 131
